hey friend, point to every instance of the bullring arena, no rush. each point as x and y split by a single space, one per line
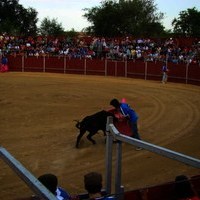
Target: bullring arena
37 127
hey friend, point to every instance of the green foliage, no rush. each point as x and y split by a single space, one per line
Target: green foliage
188 23
71 34
132 17
112 18
16 20
50 27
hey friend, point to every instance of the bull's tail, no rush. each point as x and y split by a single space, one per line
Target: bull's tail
78 124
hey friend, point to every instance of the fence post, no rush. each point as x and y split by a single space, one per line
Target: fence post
186 72
106 67
118 170
145 73
64 64
115 68
44 63
22 63
109 144
85 66
126 68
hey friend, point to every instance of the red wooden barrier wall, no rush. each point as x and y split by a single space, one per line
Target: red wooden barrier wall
193 73
33 64
75 66
54 64
136 69
95 67
15 63
111 68
154 71
163 191
182 73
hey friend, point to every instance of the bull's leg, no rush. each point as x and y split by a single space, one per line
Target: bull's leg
79 137
89 137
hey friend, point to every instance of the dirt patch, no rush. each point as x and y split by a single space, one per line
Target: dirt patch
36 126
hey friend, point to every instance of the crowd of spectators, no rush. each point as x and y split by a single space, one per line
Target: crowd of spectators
110 48
181 189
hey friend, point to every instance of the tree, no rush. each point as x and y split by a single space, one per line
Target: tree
188 23
28 21
124 17
16 20
72 33
51 27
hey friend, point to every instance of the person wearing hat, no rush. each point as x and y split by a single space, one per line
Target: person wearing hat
128 112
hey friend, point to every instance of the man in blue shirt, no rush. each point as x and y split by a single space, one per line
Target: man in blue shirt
164 72
128 112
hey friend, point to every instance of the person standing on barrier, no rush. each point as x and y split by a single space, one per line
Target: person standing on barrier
164 73
128 112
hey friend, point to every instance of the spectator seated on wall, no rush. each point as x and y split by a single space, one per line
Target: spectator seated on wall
50 181
93 185
184 189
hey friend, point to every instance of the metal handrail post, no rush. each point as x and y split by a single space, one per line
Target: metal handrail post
118 169
109 144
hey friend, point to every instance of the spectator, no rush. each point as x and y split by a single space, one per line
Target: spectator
50 181
128 112
93 185
115 48
184 189
4 64
165 73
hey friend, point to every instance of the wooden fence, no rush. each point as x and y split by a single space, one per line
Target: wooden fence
182 73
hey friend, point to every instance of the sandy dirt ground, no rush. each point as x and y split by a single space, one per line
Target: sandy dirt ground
36 126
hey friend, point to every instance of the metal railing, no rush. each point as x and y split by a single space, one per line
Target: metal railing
26 176
114 135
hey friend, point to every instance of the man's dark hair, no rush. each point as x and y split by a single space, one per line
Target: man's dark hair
50 181
93 182
183 187
115 103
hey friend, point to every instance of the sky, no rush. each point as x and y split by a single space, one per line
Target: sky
70 12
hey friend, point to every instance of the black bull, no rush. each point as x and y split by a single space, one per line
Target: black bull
93 124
